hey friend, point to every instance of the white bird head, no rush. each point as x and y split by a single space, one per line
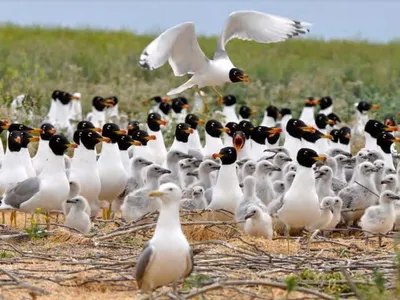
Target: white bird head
168 193
388 197
253 211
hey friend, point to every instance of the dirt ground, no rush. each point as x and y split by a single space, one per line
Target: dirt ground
64 264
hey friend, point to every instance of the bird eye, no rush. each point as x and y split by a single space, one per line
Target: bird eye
170 189
157 169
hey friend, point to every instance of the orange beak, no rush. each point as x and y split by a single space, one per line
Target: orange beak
150 137
327 136
145 102
75 98
34 139
253 112
244 78
330 122
375 106
96 129
225 129
275 130
162 122
390 128
166 99
120 132
320 158
36 131
219 101
216 155
187 106
52 131
189 131
348 136
396 140
136 143
308 129
18 139
201 122
104 139
72 145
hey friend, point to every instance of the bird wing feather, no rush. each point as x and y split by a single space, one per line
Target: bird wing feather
177 45
144 263
258 27
189 263
22 192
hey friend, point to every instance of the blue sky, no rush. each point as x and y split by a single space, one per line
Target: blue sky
373 20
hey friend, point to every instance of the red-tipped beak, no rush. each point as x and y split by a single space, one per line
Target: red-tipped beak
162 122
150 137
216 155
275 130
190 130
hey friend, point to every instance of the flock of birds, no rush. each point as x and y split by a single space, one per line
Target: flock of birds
285 172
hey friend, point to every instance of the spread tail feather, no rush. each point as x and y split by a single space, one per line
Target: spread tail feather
187 85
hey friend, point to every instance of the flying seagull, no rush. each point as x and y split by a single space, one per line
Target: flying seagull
179 46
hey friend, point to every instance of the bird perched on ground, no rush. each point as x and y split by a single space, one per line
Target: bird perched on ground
380 218
178 45
167 257
77 216
198 200
258 222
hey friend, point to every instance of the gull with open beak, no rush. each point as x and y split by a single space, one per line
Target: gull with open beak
178 45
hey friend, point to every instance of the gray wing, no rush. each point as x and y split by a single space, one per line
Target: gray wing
189 263
22 192
353 197
338 185
208 195
144 262
188 204
196 154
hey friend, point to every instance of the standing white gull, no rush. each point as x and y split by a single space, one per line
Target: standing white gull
178 45
229 109
213 142
271 115
157 145
25 156
245 112
39 160
167 257
194 142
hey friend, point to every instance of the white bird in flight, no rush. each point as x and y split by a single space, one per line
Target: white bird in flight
179 46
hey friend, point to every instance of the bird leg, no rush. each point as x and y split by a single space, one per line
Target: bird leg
205 104
220 97
15 218
380 240
174 287
47 218
366 239
109 212
3 217
11 218
287 234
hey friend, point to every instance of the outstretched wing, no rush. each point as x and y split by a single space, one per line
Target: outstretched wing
179 46
258 27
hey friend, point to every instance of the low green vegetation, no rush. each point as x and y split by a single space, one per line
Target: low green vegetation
37 60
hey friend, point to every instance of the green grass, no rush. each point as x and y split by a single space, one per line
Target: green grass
37 60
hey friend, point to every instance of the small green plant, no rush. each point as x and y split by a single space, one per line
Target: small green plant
291 284
34 231
197 281
379 281
5 254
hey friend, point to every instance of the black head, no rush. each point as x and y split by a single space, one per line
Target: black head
56 94
14 141
296 128
307 157
260 134
48 131
311 102
273 134
154 121
87 125
215 128
132 127
59 144
178 104
156 99
27 138
345 135
229 100
143 137
247 127
335 135
374 128
325 102
312 137
237 75
245 112
272 111
182 132
125 141
364 106
22 127
322 120
64 98
90 138
112 131
285 111
232 126
227 155
334 117
165 107
385 141
193 121
99 103
77 136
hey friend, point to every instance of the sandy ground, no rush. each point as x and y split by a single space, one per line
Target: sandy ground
67 265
